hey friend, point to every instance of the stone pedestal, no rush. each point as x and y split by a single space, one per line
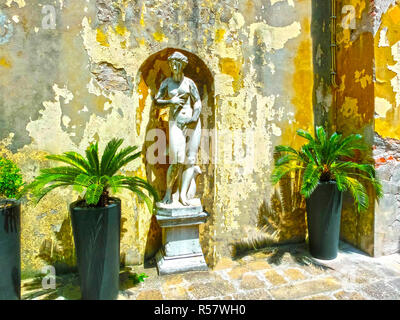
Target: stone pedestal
181 250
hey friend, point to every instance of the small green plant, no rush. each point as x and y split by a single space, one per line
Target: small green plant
93 176
325 159
10 179
141 277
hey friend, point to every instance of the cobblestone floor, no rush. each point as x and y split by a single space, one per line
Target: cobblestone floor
285 272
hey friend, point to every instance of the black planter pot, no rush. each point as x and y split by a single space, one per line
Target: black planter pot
97 242
10 250
323 218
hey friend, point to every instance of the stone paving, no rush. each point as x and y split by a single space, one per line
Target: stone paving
284 272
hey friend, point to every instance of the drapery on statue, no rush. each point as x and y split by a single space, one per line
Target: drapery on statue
180 94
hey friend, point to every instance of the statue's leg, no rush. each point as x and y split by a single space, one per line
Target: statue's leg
187 176
176 158
189 171
192 186
174 171
176 187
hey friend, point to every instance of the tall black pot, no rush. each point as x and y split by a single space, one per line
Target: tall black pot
10 250
97 242
324 208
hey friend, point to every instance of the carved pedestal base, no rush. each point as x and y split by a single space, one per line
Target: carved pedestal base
181 250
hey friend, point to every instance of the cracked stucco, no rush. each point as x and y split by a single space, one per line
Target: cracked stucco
262 82
367 102
387 125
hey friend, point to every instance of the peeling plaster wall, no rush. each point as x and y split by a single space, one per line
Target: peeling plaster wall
367 102
387 69
387 124
353 110
62 88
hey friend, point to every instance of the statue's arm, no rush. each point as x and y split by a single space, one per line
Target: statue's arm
197 102
159 97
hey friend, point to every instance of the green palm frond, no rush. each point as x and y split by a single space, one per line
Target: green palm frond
143 197
141 183
109 154
83 180
309 156
62 171
280 149
340 178
67 159
346 147
305 134
121 159
78 159
93 193
323 159
286 159
333 141
92 155
284 170
44 191
362 177
321 135
358 192
349 167
115 182
311 177
93 176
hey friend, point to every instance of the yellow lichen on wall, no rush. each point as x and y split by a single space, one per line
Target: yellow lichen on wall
350 110
219 35
232 68
302 83
362 78
5 62
159 36
121 30
102 38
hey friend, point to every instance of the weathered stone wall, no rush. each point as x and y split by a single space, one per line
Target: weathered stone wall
81 76
322 62
387 219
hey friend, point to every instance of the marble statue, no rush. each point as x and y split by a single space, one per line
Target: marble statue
180 214
181 95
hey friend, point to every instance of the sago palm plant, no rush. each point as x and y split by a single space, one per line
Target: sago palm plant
324 159
93 176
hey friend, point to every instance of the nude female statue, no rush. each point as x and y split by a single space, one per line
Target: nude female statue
180 94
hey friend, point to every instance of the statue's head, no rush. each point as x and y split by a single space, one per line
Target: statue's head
177 62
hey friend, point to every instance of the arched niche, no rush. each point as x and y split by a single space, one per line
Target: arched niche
151 73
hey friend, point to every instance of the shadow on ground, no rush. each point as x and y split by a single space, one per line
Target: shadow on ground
285 253
67 285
